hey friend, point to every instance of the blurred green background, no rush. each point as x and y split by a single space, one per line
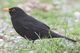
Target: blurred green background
63 17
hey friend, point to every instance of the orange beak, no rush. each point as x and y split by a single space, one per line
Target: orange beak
6 9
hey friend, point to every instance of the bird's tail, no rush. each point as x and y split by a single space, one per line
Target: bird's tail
55 35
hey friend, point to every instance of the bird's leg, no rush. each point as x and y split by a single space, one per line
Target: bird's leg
33 41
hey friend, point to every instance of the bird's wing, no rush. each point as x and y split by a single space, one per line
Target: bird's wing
34 24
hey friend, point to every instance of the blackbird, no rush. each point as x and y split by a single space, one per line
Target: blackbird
28 27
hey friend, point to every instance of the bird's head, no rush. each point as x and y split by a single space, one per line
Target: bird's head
15 11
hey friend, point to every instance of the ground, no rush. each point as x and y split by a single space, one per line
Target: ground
62 16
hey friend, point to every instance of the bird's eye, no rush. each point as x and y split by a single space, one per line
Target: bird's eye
13 10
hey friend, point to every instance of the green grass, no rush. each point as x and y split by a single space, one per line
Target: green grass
46 1
57 20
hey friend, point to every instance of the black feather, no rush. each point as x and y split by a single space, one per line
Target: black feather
29 27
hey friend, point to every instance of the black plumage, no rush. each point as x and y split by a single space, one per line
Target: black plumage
29 27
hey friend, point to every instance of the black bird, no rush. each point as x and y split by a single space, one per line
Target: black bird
29 27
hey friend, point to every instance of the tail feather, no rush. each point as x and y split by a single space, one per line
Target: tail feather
55 35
